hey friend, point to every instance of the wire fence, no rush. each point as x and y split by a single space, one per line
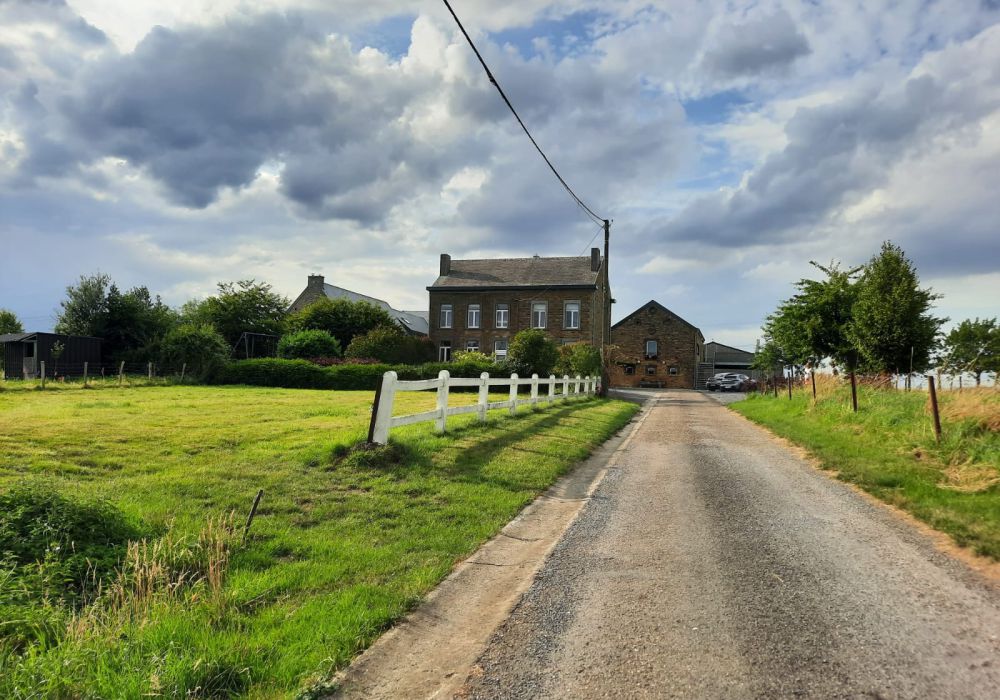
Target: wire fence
121 373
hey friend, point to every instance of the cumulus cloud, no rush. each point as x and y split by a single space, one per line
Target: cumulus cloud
766 43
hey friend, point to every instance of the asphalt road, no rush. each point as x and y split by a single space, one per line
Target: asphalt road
712 562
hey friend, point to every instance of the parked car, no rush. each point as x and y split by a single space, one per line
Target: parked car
730 381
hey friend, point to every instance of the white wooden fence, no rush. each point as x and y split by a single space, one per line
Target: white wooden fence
383 420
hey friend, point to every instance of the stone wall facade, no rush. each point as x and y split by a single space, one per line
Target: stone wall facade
679 348
519 304
313 292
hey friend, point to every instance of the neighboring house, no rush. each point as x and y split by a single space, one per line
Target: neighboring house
653 346
413 322
24 353
481 304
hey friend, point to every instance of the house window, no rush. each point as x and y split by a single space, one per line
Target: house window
444 352
571 314
650 369
673 371
500 347
651 349
539 314
629 369
472 345
446 315
503 315
473 318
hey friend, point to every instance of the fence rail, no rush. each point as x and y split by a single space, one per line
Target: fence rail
557 389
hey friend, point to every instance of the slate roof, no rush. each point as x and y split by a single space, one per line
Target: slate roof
413 321
518 272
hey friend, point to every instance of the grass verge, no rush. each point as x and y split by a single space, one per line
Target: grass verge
888 449
344 542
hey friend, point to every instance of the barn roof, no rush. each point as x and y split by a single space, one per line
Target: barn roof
656 304
519 272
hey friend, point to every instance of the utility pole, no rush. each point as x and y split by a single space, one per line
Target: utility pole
607 284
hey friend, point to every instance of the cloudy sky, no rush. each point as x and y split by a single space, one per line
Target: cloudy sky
176 144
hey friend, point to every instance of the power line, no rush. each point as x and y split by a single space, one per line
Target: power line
590 212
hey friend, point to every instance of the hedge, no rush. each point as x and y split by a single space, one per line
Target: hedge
302 374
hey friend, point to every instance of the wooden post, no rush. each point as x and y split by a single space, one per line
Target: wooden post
442 401
43 373
85 368
185 366
149 370
934 407
960 382
121 373
534 389
854 392
253 512
484 395
774 378
565 393
382 410
513 394
812 375
788 381
552 388
374 416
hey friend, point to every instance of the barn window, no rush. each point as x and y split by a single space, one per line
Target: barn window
650 369
629 369
652 349
673 371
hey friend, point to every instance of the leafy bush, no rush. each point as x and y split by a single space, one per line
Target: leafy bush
390 344
341 318
578 358
310 343
201 347
71 540
532 352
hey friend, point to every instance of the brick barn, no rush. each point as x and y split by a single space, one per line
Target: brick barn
653 346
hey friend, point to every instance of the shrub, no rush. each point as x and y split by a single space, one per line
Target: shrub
532 352
301 374
309 343
578 358
389 344
73 541
201 347
341 318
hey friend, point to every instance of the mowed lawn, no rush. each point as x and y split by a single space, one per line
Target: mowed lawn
342 545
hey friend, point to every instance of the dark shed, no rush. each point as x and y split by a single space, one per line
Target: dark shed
23 354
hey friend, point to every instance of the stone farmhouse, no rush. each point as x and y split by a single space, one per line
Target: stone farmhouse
481 304
653 346
413 322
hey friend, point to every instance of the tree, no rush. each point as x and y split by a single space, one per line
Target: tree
84 310
342 318
9 322
532 352
308 344
974 347
890 321
578 358
246 306
389 344
200 347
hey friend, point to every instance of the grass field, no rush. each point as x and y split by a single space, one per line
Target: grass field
888 449
344 542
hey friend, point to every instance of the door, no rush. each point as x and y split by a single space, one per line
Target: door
31 359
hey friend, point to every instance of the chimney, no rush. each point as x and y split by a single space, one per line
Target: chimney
595 259
445 264
315 282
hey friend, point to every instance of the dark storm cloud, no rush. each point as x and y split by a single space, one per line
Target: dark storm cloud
763 44
835 154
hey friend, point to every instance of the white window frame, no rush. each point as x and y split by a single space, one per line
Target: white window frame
446 317
472 345
541 308
497 351
652 356
566 312
474 316
444 351
504 320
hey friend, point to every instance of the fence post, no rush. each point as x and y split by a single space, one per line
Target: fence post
789 382
184 369
385 393
934 407
565 387
534 389
812 375
442 402
149 370
513 394
484 395
552 388
854 392
43 373
577 382
121 373
85 367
